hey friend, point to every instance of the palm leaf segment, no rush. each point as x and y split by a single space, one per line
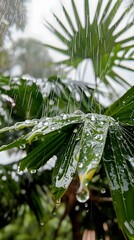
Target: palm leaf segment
97 41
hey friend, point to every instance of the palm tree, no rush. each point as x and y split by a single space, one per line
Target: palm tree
101 40
63 122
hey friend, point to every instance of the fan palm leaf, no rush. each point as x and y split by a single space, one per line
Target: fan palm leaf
97 40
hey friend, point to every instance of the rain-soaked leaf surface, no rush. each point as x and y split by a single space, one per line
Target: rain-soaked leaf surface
92 142
48 147
66 164
123 109
119 165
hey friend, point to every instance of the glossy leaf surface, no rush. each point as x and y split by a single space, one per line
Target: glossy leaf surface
123 109
119 165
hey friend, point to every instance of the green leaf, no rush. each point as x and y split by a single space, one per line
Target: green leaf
49 146
119 165
97 40
24 93
66 164
92 142
123 109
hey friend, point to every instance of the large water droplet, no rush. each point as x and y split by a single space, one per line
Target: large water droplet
82 194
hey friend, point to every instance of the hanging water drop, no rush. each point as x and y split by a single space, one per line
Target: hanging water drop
82 195
103 190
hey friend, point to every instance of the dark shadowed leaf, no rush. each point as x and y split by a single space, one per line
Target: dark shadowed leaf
123 109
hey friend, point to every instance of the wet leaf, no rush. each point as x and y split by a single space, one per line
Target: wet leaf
92 143
66 164
119 165
123 109
43 151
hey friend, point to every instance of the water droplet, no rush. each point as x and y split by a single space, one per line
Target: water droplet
103 190
46 124
63 116
33 171
75 130
27 121
93 118
78 112
42 223
82 194
4 178
77 208
86 205
22 146
51 102
80 165
23 191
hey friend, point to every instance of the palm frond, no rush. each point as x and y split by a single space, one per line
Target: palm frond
97 40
